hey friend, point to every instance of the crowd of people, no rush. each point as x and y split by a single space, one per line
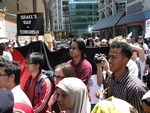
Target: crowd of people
126 79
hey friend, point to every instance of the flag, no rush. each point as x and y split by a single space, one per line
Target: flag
51 58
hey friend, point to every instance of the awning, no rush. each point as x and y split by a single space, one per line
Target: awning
135 18
107 22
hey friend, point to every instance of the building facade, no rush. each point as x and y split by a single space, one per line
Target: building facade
10 10
110 11
83 15
133 17
61 19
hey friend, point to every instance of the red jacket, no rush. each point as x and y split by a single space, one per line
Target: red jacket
39 101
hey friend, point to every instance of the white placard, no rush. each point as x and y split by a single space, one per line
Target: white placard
147 29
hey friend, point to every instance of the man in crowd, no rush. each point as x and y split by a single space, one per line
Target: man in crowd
121 83
10 79
39 99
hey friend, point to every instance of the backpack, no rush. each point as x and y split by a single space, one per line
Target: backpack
46 74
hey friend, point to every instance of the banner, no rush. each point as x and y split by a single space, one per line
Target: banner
30 24
52 58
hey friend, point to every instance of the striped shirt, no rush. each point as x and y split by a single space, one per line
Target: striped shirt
128 87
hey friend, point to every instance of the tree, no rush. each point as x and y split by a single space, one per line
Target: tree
34 6
48 5
51 15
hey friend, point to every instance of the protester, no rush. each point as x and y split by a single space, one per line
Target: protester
73 95
11 45
128 40
133 41
104 43
83 69
147 71
2 57
18 43
39 99
141 40
104 65
26 42
139 57
4 51
6 101
17 40
96 42
60 71
145 102
7 51
121 83
113 105
132 66
10 79
89 43
101 67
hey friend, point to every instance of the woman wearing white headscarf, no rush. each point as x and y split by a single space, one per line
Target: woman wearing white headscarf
73 96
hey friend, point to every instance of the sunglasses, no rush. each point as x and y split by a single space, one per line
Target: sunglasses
73 48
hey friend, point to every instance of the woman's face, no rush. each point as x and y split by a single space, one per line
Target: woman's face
74 50
63 100
58 75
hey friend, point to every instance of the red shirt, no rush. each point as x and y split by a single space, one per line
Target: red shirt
83 71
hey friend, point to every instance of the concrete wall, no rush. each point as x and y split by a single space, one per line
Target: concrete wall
25 6
11 29
146 5
2 25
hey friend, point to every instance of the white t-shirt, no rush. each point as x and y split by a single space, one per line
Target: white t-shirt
20 96
142 65
132 66
93 89
8 55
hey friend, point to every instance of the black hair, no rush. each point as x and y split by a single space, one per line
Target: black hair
88 42
125 48
2 47
37 58
12 67
81 45
148 60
